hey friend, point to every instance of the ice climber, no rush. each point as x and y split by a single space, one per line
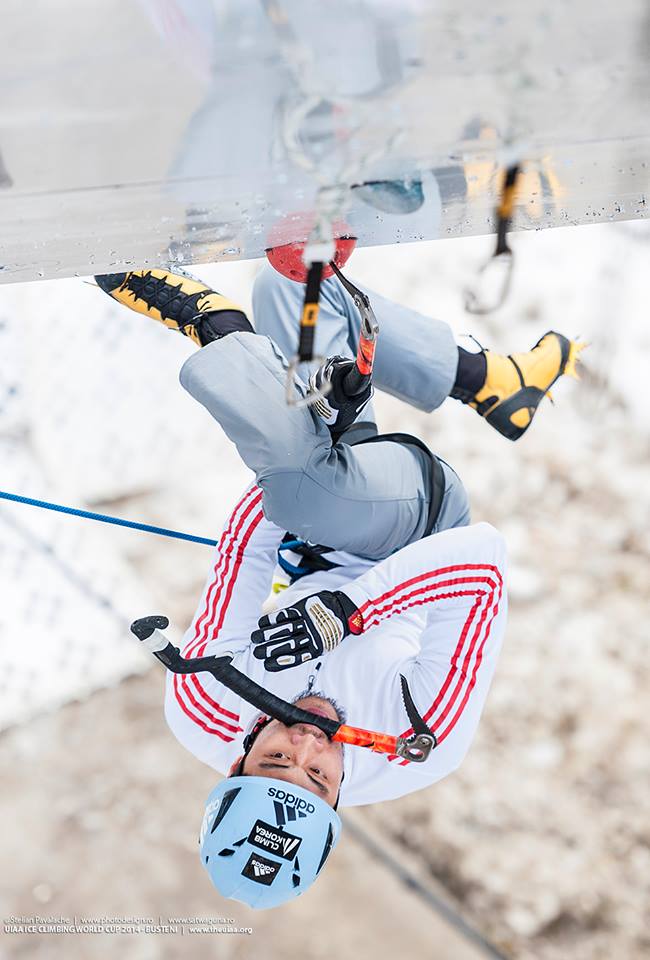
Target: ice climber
371 532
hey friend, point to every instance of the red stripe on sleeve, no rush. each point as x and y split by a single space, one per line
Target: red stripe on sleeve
470 686
423 596
454 660
372 607
395 601
241 550
195 718
181 680
229 576
187 691
222 560
193 679
231 547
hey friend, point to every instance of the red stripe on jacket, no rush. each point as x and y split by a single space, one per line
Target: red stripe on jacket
398 602
194 717
182 681
222 560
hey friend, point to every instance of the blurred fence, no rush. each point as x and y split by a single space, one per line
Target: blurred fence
92 415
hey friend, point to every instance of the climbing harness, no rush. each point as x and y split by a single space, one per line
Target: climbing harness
494 278
298 558
415 746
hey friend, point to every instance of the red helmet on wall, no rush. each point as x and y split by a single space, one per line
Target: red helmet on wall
287 255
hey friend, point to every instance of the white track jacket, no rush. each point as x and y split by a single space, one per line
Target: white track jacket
435 611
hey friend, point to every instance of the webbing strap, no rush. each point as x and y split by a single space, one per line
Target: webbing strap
309 315
505 209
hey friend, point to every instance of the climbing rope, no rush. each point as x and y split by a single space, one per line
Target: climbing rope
104 518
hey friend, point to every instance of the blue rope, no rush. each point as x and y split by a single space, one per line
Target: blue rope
88 515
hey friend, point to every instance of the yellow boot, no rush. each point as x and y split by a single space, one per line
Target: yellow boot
515 385
179 302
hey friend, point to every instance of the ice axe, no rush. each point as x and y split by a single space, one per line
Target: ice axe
415 747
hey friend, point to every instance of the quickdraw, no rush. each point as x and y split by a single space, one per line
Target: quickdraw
362 371
496 273
305 352
415 747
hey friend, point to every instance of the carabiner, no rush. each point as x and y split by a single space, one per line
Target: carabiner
312 394
494 277
492 284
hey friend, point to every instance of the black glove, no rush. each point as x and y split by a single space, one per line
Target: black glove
304 631
339 409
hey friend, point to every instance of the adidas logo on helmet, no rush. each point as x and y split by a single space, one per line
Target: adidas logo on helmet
260 870
289 807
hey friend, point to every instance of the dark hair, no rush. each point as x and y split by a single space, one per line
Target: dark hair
338 709
239 769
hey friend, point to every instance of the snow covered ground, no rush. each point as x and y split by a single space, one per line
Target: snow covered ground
543 832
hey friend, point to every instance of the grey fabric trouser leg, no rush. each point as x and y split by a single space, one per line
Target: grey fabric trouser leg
353 498
369 499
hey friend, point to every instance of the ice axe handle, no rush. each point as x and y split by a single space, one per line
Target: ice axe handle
360 375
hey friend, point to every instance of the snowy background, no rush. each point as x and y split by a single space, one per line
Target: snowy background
542 836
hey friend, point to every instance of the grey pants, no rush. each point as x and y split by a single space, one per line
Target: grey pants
369 499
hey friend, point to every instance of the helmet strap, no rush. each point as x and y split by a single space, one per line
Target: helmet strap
251 737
